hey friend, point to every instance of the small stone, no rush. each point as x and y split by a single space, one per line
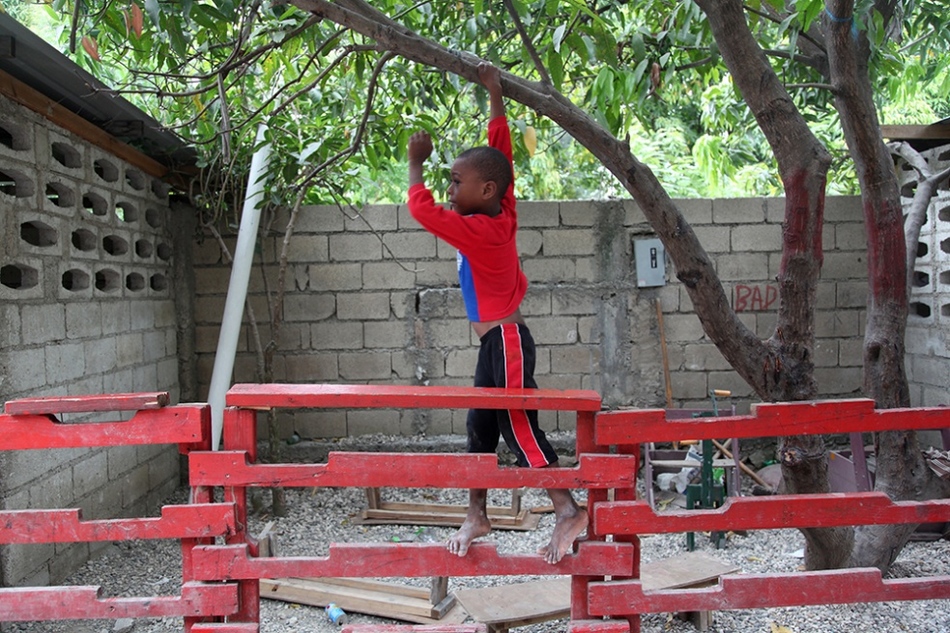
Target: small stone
123 625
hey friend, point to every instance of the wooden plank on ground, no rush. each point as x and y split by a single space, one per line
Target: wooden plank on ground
370 597
518 604
691 569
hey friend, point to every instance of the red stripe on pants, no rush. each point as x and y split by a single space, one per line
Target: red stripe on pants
514 379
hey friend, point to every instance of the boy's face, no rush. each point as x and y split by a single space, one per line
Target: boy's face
468 192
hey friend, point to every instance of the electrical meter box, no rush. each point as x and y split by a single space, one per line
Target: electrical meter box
650 259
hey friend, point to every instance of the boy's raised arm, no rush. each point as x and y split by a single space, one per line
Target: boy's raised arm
420 147
490 77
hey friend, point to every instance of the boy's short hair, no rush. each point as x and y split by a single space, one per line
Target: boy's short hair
491 164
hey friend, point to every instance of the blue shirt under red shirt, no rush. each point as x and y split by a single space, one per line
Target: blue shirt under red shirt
490 274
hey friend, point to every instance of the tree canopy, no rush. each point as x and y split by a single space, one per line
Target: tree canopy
340 111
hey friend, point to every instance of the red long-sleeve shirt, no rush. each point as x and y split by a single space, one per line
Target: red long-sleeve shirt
489 269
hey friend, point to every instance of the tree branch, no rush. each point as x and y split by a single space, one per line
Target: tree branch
532 51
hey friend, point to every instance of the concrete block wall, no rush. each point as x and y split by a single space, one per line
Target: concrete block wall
372 298
86 307
928 324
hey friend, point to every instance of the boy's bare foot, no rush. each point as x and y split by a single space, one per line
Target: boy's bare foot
566 530
471 529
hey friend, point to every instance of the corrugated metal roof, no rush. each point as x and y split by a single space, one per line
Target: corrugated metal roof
31 60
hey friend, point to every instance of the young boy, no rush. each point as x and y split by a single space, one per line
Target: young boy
482 224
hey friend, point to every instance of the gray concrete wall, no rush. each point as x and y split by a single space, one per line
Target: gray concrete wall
373 298
86 307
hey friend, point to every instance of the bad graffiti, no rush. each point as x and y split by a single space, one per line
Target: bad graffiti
754 298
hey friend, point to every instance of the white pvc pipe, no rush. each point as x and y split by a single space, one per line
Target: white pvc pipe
223 369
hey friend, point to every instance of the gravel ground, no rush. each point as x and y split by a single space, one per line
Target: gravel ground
318 517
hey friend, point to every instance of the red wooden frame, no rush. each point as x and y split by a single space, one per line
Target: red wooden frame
221 581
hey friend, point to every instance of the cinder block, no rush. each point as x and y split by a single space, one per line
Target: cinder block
574 359
579 213
839 381
369 421
83 320
386 276
741 266
42 324
320 424
759 237
408 246
683 327
365 365
461 362
703 357
336 277
376 218
355 247
530 243
843 209
852 294
550 271
117 317
696 211
129 349
572 301
64 362
385 334
329 335
90 473
850 265
308 307
447 334
306 248
738 210
538 214
554 330
9 325
319 219
714 239
312 367
434 273
561 242
362 306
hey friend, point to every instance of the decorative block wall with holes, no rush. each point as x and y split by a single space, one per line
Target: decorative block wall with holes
86 307
928 324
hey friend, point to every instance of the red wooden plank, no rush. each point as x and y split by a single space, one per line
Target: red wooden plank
598 626
342 396
778 511
168 425
87 404
409 470
66 526
84 602
761 591
767 420
407 560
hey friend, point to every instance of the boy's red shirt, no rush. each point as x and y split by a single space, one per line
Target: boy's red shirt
489 269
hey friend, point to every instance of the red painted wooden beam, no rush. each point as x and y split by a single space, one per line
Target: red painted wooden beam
87 404
767 420
168 425
409 470
67 526
342 396
20 604
408 560
779 511
762 591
